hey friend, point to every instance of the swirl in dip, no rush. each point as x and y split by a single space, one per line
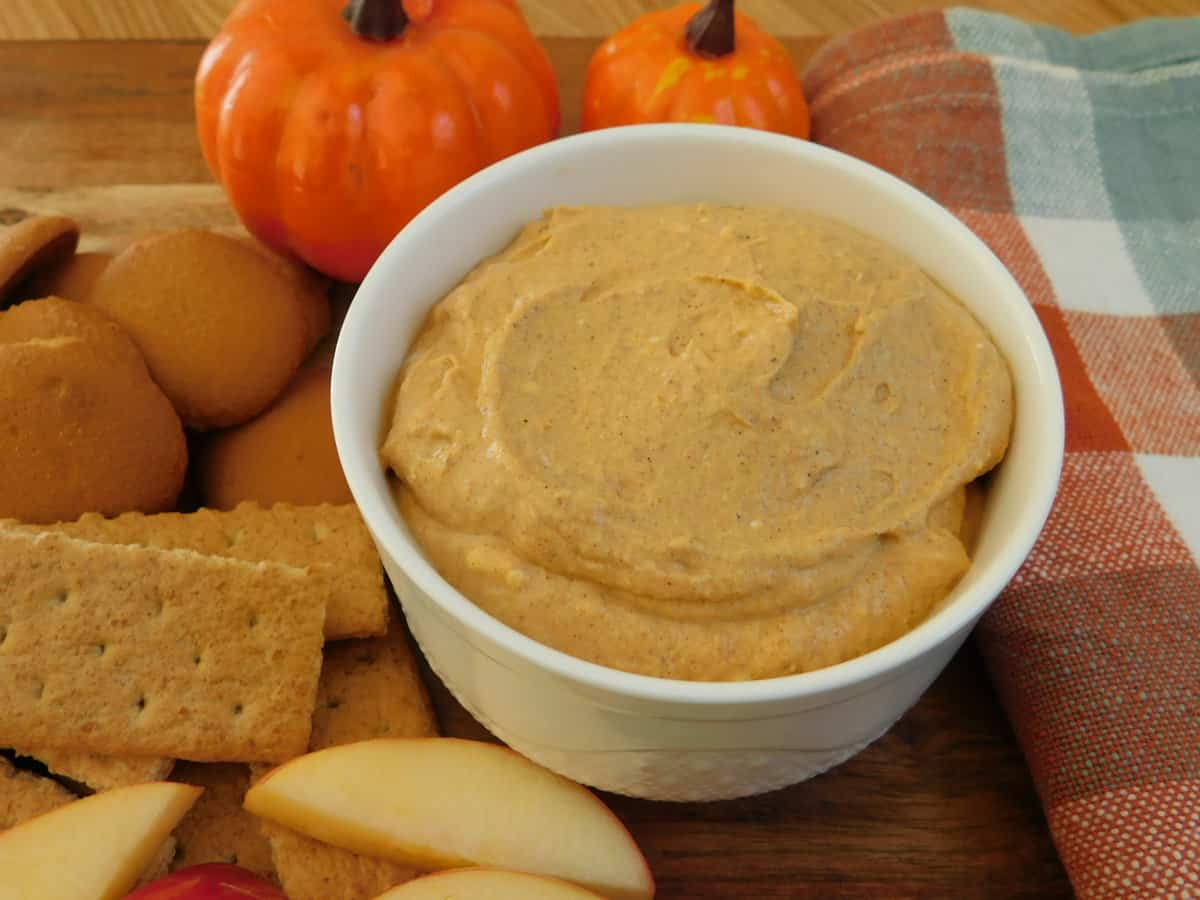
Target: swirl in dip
698 442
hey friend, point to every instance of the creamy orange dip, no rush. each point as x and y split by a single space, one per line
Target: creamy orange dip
698 442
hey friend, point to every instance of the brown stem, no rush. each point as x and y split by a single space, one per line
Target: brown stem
710 32
376 20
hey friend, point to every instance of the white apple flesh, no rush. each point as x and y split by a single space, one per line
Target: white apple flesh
440 803
487 884
94 848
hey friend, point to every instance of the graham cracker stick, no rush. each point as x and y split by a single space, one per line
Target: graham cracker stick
161 864
330 541
217 828
100 773
369 688
24 795
126 650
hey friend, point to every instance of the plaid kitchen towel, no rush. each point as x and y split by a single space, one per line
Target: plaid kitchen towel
1078 162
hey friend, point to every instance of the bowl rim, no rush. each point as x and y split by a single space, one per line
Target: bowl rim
933 631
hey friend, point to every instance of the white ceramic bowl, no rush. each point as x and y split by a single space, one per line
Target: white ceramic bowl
651 737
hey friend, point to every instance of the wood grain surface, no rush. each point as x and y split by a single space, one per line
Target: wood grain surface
196 19
942 806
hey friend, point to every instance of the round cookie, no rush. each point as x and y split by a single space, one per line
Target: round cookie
314 286
73 278
31 245
52 317
222 329
285 455
85 430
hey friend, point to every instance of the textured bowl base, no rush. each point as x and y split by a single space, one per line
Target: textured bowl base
679 775
689 775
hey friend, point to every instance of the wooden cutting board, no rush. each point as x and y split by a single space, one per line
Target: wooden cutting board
941 806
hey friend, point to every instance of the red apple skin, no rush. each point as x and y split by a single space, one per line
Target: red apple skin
212 881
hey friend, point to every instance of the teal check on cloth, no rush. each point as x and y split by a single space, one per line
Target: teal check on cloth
1078 161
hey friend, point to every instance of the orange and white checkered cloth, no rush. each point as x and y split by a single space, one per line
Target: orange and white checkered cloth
1078 162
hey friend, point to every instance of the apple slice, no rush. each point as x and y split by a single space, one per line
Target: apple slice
440 803
209 881
92 849
487 884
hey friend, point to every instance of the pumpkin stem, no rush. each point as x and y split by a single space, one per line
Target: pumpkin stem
710 32
376 20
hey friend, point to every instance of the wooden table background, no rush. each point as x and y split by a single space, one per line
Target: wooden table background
96 122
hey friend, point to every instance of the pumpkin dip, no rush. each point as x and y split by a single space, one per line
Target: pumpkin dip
712 443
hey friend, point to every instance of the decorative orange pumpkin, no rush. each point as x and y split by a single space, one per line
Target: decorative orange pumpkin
330 129
695 64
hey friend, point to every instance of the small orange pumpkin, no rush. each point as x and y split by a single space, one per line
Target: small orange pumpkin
695 64
330 129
